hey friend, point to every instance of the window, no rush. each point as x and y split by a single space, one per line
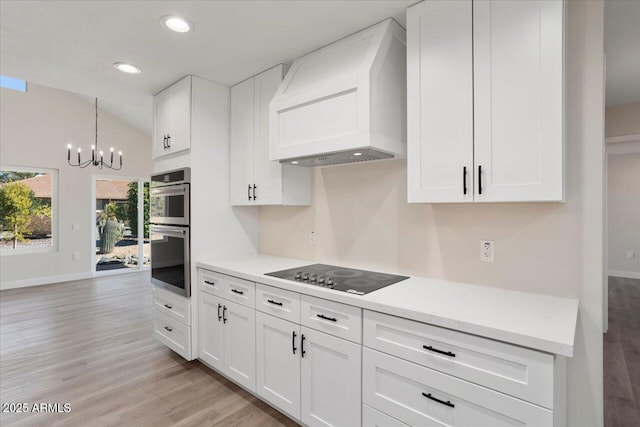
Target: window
13 83
28 210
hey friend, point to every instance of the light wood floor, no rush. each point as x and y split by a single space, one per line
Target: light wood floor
622 354
89 343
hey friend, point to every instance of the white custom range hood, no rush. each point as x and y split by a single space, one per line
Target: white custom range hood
343 103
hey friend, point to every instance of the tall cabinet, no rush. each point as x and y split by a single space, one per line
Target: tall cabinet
485 101
255 180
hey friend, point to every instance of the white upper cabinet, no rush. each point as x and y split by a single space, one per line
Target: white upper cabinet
485 101
256 180
172 119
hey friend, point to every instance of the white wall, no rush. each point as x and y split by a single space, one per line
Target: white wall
362 217
35 128
623 191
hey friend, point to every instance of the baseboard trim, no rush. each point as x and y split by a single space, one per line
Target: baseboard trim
36 281
625 274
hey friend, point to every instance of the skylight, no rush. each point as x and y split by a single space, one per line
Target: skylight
13 83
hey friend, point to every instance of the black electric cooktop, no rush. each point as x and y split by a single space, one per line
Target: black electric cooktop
349 280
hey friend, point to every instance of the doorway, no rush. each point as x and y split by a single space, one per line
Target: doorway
120 234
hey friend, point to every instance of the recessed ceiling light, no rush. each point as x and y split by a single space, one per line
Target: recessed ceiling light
127 68
357 154
176 23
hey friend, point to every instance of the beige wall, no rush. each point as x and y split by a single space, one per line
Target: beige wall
35 128
623 119
624 214
362 219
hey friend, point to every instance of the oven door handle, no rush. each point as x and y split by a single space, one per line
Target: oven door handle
168 231
170 190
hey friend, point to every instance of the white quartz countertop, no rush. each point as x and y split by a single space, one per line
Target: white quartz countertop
536 321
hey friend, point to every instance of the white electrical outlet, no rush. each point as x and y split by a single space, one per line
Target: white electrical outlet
313 237
631 255
487 250
76 256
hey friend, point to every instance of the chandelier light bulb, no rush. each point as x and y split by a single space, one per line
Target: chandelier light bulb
79 149
112 149
120 153
69 146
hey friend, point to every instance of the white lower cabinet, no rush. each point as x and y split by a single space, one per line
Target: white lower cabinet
227 338
374 418
240 343
424 397
331 380
278 363
211 330
171 316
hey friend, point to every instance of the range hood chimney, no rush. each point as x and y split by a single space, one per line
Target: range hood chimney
345 102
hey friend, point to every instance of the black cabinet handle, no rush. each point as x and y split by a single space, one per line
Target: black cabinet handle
435 350
479 179
249 192
164 141
224 311
293 342
254 192
274 302
302 352
447 403
322 316
168 306
235 291
168 141
209 283
168 328
464 180
219 315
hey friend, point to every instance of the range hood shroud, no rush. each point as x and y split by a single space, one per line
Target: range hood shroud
347 97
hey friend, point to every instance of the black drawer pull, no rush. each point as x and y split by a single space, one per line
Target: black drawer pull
219 315
302 345
447 403
274 302
479 179
224 311
293 342
209 283
235 291
168 306
168 328
464 180
249 192
435 350
322 316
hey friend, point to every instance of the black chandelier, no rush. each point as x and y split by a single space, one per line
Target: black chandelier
97 162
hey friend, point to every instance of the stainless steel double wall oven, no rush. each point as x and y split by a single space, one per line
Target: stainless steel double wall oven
169 230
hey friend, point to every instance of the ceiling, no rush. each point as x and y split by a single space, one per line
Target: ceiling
72 45
622 47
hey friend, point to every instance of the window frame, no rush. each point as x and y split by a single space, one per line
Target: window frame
55 212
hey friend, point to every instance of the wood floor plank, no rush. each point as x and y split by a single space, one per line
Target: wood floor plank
89 343
622 354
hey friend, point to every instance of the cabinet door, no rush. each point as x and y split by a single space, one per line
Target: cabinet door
267 174
440 102
518 100
180 116
240 344
331 380
160 123
278 363
242 135
211 331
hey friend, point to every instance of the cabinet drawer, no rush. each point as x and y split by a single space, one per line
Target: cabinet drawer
423 397
278 302
172 333
518 371
374 418
172 305
341 320
211 282
241 291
